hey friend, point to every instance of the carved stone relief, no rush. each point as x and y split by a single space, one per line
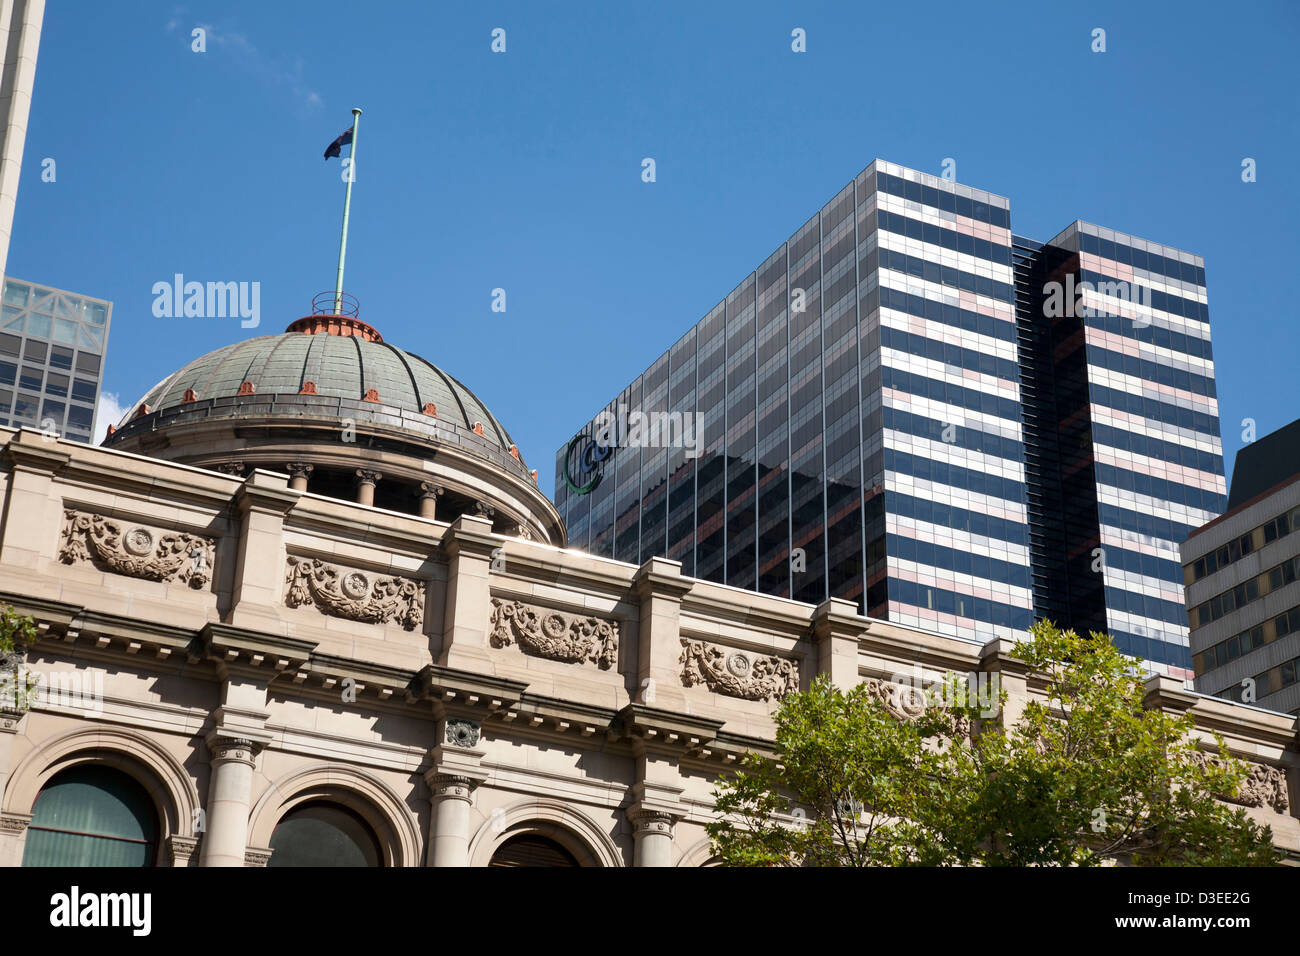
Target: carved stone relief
737 673
136 550
462 733
553 634
355 595
1264 786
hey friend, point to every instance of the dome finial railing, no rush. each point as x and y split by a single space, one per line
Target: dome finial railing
324 320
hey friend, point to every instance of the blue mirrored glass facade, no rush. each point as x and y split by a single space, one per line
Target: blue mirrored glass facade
886 412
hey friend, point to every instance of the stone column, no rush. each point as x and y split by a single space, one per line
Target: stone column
233 745
229 788
653 835
455 774
299 472
429 493
366 481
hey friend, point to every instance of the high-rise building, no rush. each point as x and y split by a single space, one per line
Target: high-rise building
896 410
1241 570
20 39
52 346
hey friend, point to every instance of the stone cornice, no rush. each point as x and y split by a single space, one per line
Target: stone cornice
76 625
661 578
919 647
551 714
447 685
472 536
327 671
650 729
734 606
837 618
266 492
254 653
34 451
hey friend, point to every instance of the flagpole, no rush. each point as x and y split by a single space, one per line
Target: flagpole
347 206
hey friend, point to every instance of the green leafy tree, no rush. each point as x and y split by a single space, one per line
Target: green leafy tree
850 786
1086 776
17 687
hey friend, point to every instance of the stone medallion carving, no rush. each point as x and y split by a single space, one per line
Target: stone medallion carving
903 702
1264 786
354 595
136 551
462 733
737 673
554 635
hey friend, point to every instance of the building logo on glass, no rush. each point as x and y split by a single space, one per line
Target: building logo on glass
590 452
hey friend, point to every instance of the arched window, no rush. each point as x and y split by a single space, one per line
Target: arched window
92 816
323 834
528 849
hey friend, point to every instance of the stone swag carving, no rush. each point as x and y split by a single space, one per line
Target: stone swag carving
737 673
137 551
554 635
354 595
1264 786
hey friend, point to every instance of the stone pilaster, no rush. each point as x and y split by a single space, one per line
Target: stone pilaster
33 514
836 627
1005 673
262 502
13 838
659 586
468 609
256 856
180 850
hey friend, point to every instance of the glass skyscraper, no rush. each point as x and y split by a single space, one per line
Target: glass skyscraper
880 417
52 346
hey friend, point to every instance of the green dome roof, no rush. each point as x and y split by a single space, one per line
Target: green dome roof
339 366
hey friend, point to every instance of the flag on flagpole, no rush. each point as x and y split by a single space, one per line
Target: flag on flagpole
336 148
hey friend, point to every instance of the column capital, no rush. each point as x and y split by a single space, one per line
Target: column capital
653 822
180 849
484 510
300 469
14 822
368 476
257 856
430 489
451 786
227 746
233 468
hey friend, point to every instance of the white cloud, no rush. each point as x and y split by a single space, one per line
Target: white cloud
108 412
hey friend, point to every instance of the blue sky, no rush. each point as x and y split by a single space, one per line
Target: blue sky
522 170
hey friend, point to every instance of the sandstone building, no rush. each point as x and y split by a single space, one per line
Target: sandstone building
308 605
